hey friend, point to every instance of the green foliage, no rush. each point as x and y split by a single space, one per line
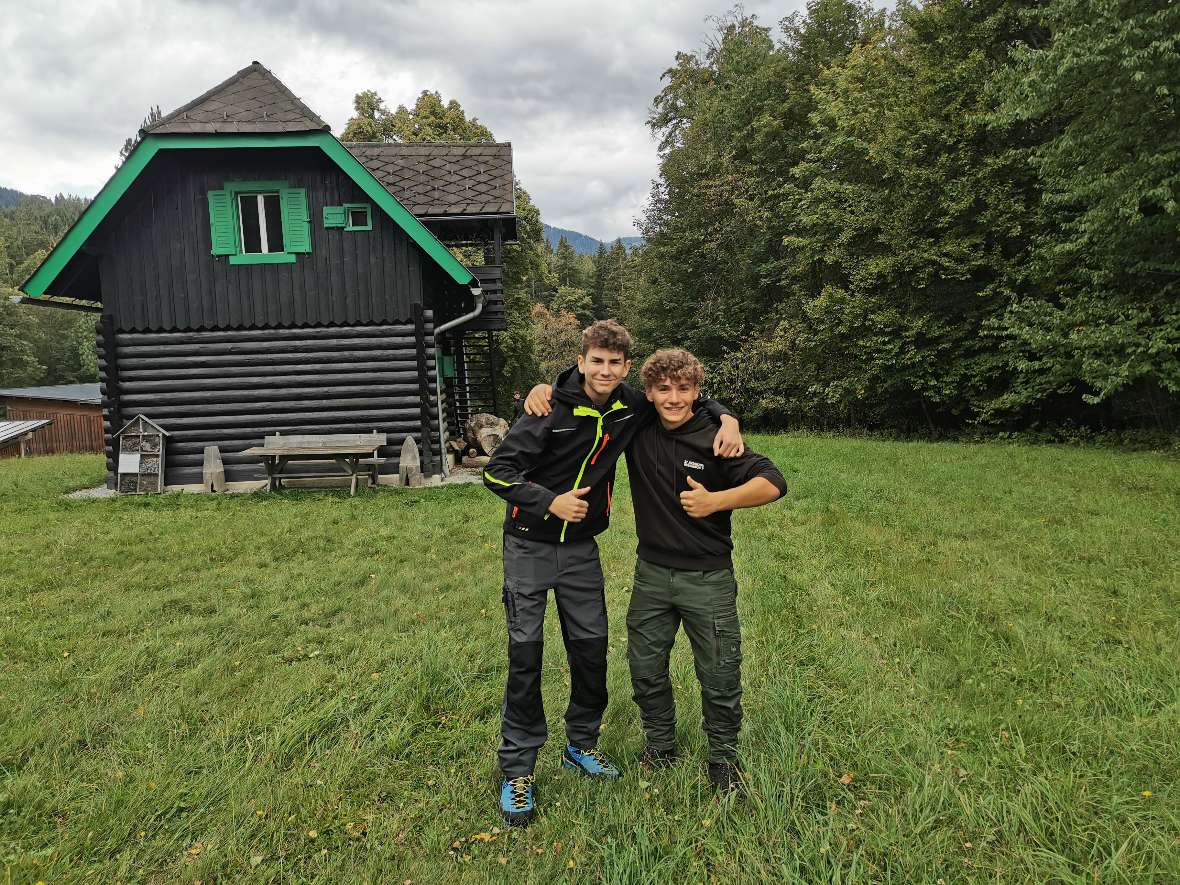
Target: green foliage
19 366
40 346
571 269
964 213
574 301
1104 315
557 340
430 119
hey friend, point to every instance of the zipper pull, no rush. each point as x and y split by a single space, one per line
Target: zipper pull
605 440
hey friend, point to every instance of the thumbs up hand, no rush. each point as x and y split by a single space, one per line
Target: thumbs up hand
698 501
570 506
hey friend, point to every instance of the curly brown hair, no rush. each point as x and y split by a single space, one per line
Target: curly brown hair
609 335
673 364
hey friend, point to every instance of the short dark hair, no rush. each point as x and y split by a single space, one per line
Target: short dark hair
673 364
609 335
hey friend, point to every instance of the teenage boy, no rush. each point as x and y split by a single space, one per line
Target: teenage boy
683 496
556 473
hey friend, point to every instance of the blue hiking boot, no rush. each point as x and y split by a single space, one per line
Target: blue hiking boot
590 762
518 800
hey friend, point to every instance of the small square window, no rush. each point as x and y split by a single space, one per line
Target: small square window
261 223
359 216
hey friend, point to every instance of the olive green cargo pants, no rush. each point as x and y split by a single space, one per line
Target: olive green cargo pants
706 603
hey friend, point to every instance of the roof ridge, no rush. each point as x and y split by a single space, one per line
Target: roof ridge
253 67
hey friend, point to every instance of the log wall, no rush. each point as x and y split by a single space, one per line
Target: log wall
232 388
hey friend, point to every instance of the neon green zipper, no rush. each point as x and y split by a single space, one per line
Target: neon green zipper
583 411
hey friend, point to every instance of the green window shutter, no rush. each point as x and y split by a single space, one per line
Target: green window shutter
296 219
221 223
334 216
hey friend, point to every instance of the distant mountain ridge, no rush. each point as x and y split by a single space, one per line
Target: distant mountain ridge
584 243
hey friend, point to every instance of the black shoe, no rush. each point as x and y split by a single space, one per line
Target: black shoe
654 757
726 778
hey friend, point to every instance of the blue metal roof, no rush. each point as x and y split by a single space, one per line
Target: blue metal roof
70 393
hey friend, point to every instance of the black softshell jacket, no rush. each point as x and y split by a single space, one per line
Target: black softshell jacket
576 445
659 463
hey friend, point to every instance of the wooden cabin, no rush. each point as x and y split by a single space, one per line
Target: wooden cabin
255 275
74 409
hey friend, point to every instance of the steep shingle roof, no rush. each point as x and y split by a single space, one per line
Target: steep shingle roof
433 180
252 100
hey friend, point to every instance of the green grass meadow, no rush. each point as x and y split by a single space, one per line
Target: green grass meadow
961 663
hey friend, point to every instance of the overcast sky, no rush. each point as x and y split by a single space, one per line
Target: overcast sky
569 84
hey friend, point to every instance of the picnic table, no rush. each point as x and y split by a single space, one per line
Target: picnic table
352 453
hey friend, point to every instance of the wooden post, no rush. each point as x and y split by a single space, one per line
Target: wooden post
492 371
105 329
424 387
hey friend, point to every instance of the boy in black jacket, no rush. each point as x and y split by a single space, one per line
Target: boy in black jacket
556 473
683 496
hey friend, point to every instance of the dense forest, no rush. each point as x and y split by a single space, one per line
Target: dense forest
959 216
39 345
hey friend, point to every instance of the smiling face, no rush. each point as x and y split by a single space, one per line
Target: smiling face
603 370
673 399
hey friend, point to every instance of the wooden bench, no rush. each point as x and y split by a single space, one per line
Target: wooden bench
353 453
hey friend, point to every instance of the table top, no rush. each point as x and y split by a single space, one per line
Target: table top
326 451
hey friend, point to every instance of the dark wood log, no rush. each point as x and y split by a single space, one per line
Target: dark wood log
320 345
425 384
253 373
264 335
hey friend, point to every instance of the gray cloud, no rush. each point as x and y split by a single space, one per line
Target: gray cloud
569 84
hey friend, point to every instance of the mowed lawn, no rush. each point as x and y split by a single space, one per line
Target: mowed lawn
962 663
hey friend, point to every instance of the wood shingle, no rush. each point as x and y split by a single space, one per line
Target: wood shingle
441 180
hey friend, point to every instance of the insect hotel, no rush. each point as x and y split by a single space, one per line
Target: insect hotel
254 276
141 457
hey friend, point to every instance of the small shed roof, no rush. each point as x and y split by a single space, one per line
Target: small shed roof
69 393
435 180
14 430
252 100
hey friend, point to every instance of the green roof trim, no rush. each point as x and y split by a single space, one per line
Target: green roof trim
43 277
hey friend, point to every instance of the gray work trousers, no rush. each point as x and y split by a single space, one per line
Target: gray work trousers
573 572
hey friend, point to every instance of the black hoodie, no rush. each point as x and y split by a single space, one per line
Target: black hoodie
576 445
659 463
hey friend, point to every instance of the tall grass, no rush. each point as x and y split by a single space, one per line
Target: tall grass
961 663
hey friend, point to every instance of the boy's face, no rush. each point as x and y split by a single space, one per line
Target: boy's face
673 399
604 370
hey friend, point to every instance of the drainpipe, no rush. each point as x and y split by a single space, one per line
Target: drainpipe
477 292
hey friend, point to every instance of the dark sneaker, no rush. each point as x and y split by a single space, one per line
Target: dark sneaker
518 800
590 762
654 757
726 778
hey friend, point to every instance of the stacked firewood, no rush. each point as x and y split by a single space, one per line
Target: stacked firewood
483 433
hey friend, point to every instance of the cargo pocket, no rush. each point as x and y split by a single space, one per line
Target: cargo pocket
727 637
509 607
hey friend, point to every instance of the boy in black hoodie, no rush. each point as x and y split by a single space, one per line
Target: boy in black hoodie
556 473
683 496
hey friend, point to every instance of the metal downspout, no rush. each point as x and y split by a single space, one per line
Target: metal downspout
477 291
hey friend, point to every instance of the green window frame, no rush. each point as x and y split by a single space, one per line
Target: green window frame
349 223
227 229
